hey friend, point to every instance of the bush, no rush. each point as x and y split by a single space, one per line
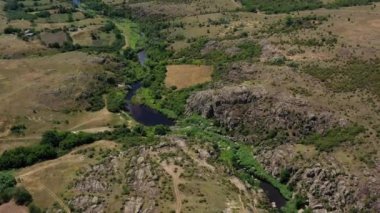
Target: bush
354 75
161 130
53 137
34 209
281 6
25 156
285 175
6 195
43 14
108 27
73 140
11 30
22 196
52 143
334 137
18 129
6 181
11 5
116 101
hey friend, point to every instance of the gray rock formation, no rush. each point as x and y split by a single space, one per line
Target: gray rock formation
240 108
254 108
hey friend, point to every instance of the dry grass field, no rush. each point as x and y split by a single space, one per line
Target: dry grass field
36 92
92 36
43 88
59 37
175 9
48 181
183 76
12 47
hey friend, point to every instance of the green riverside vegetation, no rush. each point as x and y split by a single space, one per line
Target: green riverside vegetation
236 156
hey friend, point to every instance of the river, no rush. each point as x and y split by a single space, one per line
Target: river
150 117
273 194
142 113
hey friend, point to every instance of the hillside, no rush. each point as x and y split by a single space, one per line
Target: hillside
189 106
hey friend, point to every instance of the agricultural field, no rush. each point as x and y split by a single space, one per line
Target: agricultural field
182 76
189 106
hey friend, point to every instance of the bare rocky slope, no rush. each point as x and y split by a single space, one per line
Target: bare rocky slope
253 110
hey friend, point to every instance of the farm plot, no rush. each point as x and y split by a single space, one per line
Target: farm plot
183 76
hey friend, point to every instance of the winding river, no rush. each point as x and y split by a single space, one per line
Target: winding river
142 113
150 117
273 194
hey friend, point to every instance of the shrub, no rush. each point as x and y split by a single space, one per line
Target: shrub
6 181
353 75
334 137
161 130
285 175
11 30
73 140
116 101
281 6
53 137
22 196
34 209
6 195
108 27
43 14
18 129
25 156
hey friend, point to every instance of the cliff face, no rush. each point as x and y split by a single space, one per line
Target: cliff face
326 183
255 108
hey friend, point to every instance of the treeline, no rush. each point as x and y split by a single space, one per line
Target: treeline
287 6
57 143
295 23
52 145
102 8
9 190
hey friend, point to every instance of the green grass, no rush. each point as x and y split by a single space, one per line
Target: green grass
334 137
354 75
130 30
281 6
234 155
115 101
287 6
172 104
295 23
247 161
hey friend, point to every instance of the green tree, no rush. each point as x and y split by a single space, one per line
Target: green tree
22 196
6 181
53 137
161 130
116 101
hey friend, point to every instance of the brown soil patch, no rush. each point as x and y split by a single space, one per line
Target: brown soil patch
183 76
12 207
13 47
59 37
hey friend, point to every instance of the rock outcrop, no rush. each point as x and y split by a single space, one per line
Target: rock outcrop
326 184
254 108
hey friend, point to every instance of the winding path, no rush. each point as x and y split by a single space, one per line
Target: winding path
175 179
